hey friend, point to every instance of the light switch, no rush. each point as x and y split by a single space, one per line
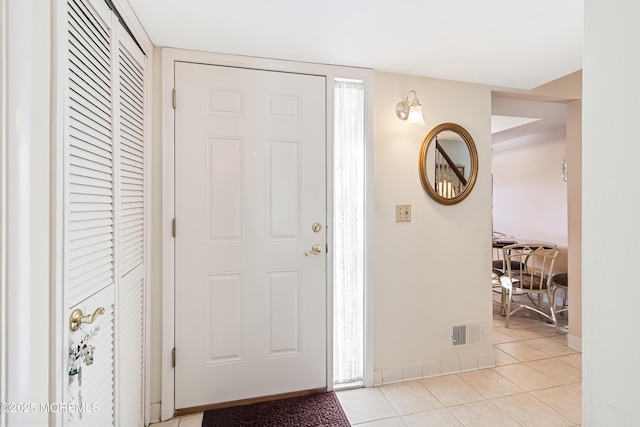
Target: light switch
403 213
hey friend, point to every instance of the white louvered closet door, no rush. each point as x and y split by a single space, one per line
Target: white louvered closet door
103 218
130 289
89 217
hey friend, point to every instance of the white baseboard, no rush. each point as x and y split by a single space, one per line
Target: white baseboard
155 412
433 369
574 342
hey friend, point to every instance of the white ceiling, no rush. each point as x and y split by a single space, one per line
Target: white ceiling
511 43
518 44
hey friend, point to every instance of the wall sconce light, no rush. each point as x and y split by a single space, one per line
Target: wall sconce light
410 112
564 170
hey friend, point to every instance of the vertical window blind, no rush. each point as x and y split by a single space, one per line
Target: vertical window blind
348 233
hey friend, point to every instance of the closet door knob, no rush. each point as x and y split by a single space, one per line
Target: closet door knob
76 319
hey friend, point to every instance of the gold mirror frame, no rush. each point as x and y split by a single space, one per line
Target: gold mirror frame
422 167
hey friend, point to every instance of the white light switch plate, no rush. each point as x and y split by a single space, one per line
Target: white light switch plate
403 213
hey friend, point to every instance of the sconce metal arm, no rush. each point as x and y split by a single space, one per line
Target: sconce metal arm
402 108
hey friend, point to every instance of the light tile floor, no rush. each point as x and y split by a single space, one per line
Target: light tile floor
194 420
537 381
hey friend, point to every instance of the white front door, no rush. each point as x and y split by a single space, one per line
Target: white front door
250 184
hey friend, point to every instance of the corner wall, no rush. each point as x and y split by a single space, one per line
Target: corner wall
610 226
430 273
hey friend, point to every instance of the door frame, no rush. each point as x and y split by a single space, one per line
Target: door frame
169 56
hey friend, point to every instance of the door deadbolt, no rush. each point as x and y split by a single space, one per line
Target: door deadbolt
316 227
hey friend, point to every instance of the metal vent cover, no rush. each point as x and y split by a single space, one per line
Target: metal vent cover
466 334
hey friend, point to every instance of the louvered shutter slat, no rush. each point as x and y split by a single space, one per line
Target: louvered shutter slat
133 183
97 118
131 133
131 308
90 153
131 162
92 162
98 279
89 23
130 143
80 133
91 178
79 246
89 189
90 222
88 91
131 157
83 54
131 237
98 247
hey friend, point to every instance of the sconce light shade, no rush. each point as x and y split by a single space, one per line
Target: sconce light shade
410 112
415 116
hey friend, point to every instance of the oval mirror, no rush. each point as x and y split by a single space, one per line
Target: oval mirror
448 163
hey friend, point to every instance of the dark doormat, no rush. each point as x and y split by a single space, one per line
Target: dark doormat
314 410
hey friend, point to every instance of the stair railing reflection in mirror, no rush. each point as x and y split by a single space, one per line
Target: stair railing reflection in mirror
449 177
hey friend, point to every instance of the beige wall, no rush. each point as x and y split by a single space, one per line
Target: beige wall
567 87
610 225
529 195
429 273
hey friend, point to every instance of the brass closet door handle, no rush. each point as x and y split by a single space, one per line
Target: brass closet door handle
76 319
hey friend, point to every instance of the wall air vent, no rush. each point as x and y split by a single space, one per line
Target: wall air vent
467 333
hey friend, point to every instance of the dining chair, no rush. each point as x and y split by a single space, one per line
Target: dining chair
496 287
561 281
499 267
499 240
532 278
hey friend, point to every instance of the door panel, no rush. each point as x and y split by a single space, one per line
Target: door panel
89 218
250 182
130 294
